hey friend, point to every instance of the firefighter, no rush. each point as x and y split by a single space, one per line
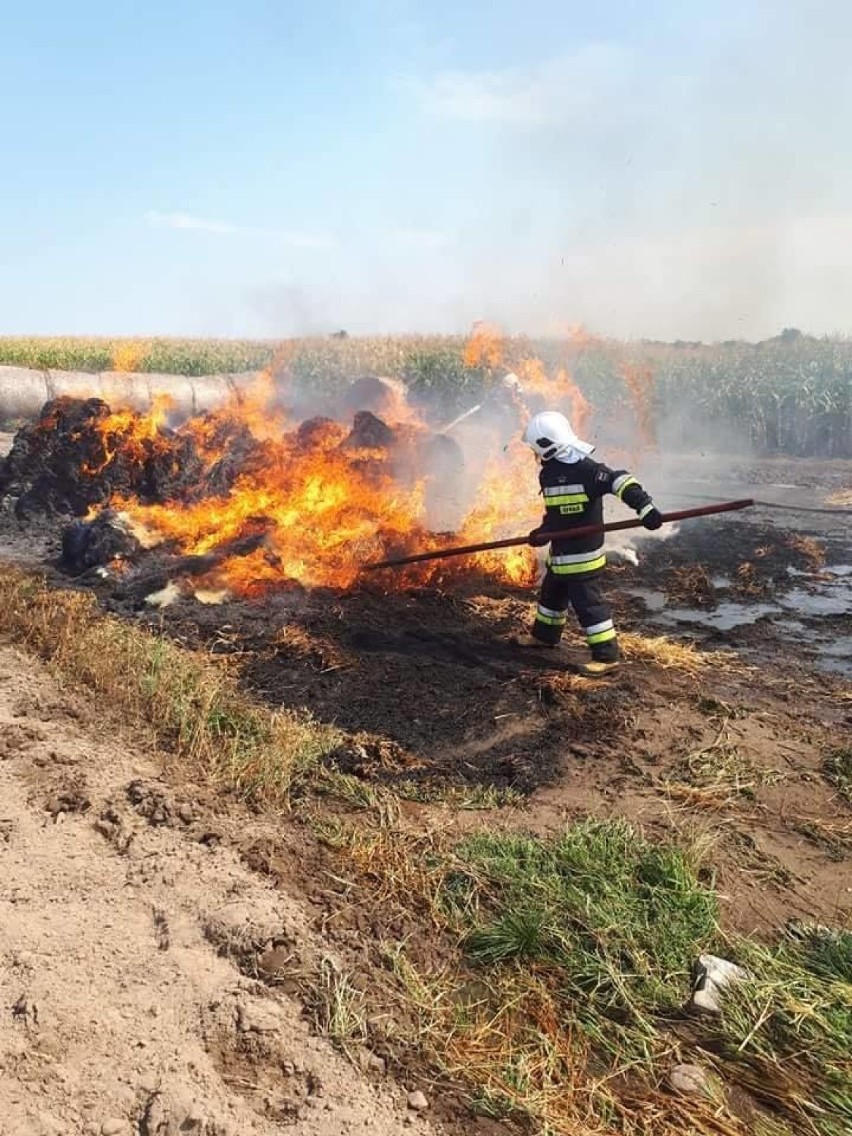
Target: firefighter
573 487
514 403
503 407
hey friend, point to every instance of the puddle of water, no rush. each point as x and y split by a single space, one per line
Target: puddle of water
827 597
840 648
654 601
725 617
794 625
834 665
830 600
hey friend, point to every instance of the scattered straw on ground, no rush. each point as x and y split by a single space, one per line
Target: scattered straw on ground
669 654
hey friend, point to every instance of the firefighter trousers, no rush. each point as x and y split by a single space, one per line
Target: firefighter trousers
558 593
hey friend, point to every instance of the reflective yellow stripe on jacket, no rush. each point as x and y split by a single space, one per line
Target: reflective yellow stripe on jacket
577 562
622 483
565 495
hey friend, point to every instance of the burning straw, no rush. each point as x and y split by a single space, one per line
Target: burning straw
329 493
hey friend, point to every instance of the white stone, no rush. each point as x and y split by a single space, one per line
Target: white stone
689 1079
115 1127
714 975
417 1101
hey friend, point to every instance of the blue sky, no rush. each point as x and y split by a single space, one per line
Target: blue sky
655 168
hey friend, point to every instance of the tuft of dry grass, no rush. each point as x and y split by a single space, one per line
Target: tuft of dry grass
393 861
837 769
835 836
190 702
669 654
338 1007
809 551
691 584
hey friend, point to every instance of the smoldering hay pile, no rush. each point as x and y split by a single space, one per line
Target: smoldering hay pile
281 488
245 500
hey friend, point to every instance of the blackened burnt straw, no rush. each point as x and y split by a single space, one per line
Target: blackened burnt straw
586 530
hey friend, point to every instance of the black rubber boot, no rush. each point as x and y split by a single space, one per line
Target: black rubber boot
604 660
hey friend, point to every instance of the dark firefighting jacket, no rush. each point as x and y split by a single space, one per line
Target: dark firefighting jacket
573 497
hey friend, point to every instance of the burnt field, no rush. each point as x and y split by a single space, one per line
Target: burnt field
419 665
429 672
242 539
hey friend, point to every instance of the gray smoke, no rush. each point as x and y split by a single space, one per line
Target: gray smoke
693 184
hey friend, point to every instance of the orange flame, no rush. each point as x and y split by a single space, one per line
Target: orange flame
318 504
127 356
131 434
581 339
506 505
560 391
485 348
639 381
396 410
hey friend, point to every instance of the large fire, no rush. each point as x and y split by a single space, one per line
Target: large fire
325 510
323 498
327 506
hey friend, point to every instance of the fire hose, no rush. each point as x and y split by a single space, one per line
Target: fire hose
570 534
833 512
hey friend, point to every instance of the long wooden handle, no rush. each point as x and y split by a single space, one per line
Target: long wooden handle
569 534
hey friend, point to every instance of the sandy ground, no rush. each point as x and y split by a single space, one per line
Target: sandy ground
118 1013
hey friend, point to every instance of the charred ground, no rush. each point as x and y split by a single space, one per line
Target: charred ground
424 675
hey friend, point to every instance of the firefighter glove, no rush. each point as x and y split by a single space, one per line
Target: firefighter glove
538 538
653 518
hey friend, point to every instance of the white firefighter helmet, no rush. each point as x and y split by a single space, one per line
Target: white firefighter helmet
511 382
551 435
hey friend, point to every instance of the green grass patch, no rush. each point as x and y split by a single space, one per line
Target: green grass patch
619 918
837 768
566 1002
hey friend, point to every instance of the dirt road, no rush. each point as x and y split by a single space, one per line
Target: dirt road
120 1010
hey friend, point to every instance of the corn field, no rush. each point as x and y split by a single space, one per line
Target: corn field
790 395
